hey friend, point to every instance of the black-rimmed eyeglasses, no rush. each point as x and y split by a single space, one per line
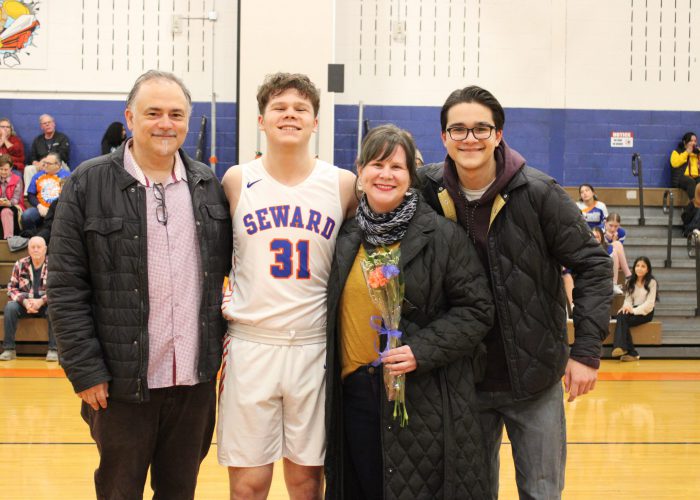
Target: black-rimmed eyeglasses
479 132
161 209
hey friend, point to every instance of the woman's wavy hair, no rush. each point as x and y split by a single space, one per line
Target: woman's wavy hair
632 280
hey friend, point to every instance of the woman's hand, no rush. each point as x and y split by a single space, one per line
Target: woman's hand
625 309
400 360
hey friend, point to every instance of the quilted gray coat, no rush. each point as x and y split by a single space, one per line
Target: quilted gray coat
447 310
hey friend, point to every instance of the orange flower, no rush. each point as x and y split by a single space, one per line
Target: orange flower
376 278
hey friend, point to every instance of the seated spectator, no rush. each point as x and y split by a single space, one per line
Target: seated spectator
641 294
11 197
593 211
49 141
43 189
613 231
691 215
684 164
11 144
27 292
114 136
568 280
600 238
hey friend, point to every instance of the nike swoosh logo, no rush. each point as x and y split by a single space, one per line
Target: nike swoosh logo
251 183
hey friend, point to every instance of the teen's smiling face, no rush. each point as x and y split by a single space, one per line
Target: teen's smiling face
385 182
470 153
288 118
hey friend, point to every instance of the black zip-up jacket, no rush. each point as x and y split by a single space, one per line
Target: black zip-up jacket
535 229
98 276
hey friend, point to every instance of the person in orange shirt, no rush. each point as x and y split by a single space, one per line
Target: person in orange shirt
684 164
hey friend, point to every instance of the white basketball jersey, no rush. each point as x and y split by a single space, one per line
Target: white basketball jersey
284 239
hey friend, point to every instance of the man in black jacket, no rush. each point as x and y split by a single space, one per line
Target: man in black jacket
49 141
142 242
525 228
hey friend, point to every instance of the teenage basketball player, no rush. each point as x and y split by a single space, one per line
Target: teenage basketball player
287 209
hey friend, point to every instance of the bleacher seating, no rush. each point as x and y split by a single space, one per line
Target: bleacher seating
675 331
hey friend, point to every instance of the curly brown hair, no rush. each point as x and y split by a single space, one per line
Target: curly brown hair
277 83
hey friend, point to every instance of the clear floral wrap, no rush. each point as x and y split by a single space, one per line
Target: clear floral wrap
386 289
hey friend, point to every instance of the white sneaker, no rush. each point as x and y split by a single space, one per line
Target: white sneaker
8 355
617 290
52 355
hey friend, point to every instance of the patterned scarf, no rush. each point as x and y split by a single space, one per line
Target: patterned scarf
388 228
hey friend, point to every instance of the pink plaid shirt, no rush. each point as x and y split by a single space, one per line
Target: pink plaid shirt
174 280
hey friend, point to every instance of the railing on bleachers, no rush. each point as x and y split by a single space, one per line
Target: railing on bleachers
694 251
637 172
668 209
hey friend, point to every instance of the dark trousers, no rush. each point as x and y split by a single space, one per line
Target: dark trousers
13 312
171 433
687 184
362 423
623 338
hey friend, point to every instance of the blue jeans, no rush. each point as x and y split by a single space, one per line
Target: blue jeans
537 431
31 218
13 312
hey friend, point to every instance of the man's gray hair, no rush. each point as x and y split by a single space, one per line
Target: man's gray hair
153 74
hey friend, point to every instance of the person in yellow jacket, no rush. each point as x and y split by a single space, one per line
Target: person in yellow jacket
684 164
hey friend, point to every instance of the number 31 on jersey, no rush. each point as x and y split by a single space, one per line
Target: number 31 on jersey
284 250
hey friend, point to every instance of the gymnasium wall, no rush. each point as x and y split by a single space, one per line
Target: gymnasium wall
568 72
86 54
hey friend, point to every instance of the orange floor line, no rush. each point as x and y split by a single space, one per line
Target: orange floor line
605 376
32 373
615 376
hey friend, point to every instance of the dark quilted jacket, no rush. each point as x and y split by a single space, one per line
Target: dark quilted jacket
537 230
98 278
447 311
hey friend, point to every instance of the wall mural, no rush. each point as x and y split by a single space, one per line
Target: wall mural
22 36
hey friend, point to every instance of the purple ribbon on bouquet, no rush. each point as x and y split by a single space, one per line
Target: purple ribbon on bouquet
377 324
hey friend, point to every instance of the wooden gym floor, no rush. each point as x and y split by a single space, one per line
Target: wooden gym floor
636 436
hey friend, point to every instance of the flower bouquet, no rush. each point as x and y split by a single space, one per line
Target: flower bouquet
385 284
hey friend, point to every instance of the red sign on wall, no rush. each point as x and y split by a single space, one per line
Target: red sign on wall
621 139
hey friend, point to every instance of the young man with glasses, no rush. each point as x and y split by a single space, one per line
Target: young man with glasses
525 228
140 245
43 189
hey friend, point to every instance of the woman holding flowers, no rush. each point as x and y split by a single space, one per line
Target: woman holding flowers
429 445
